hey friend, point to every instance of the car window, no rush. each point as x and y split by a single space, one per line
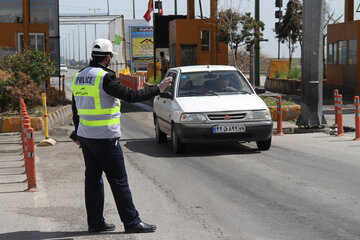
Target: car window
170 89
214 82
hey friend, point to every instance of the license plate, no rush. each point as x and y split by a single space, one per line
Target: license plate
228 129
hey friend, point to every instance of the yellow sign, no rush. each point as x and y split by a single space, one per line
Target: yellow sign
143 47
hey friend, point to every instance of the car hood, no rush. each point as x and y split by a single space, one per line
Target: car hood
221 103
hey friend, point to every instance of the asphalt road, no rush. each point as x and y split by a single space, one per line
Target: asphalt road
305 187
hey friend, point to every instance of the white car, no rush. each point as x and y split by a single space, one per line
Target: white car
211 104
63 68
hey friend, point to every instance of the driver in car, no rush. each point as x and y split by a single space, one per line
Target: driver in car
221 84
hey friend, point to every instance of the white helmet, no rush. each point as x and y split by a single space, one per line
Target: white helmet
102 47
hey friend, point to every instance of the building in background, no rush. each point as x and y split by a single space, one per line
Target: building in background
32 24
343 65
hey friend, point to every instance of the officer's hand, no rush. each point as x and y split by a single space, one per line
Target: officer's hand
166 82
74 137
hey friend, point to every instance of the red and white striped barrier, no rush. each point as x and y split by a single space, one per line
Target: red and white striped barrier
27 139
279 117
357 118
340 116
336 93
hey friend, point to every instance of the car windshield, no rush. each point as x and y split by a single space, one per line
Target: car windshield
212 83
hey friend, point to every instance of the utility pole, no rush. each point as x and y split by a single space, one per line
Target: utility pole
108 13
257 46
73 45
252 65
78 43
175 3
201 12
94 14
311 115
86 56
278 14
64 49
133 9
68 47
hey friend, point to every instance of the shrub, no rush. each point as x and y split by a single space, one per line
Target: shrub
24 88
5 80
294 73
22 76
33 63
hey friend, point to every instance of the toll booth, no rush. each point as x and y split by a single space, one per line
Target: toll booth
191 43
343 64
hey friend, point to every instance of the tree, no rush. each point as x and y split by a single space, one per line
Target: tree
251 31
228 21
290 29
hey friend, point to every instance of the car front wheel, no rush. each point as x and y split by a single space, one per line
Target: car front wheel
264 145
159 135
177 145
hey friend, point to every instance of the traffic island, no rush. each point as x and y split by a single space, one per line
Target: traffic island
12 124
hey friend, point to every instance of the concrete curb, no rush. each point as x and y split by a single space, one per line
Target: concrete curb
37 123
59 115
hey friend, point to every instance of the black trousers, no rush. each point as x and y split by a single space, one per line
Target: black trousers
105 155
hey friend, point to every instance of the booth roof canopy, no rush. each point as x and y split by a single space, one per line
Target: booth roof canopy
86 19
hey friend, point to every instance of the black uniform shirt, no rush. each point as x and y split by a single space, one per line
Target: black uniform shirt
113 87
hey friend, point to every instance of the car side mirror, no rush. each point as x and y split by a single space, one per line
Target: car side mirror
260 90
166 95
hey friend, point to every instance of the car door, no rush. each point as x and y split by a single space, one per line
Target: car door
163 107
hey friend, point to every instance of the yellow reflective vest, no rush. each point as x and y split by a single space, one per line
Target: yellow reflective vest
99 112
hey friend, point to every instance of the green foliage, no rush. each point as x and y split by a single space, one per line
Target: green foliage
24 88
35 64
290 29
228 21
272 101
21 76
251 31
294 73
6 79
291 24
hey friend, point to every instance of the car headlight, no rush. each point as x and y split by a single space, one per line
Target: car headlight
192 117
262 114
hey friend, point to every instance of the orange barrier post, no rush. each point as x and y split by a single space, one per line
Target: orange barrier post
24 140
31 173
279 117
357 118
340 116
336 93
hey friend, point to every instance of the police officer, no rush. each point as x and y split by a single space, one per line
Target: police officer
96 115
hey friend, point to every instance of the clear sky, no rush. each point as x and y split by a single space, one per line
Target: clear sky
125 7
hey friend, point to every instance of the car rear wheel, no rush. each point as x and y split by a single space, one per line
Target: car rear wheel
264 145
177 145
159 135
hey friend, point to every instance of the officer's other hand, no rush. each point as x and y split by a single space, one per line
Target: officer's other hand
73 137
166 82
